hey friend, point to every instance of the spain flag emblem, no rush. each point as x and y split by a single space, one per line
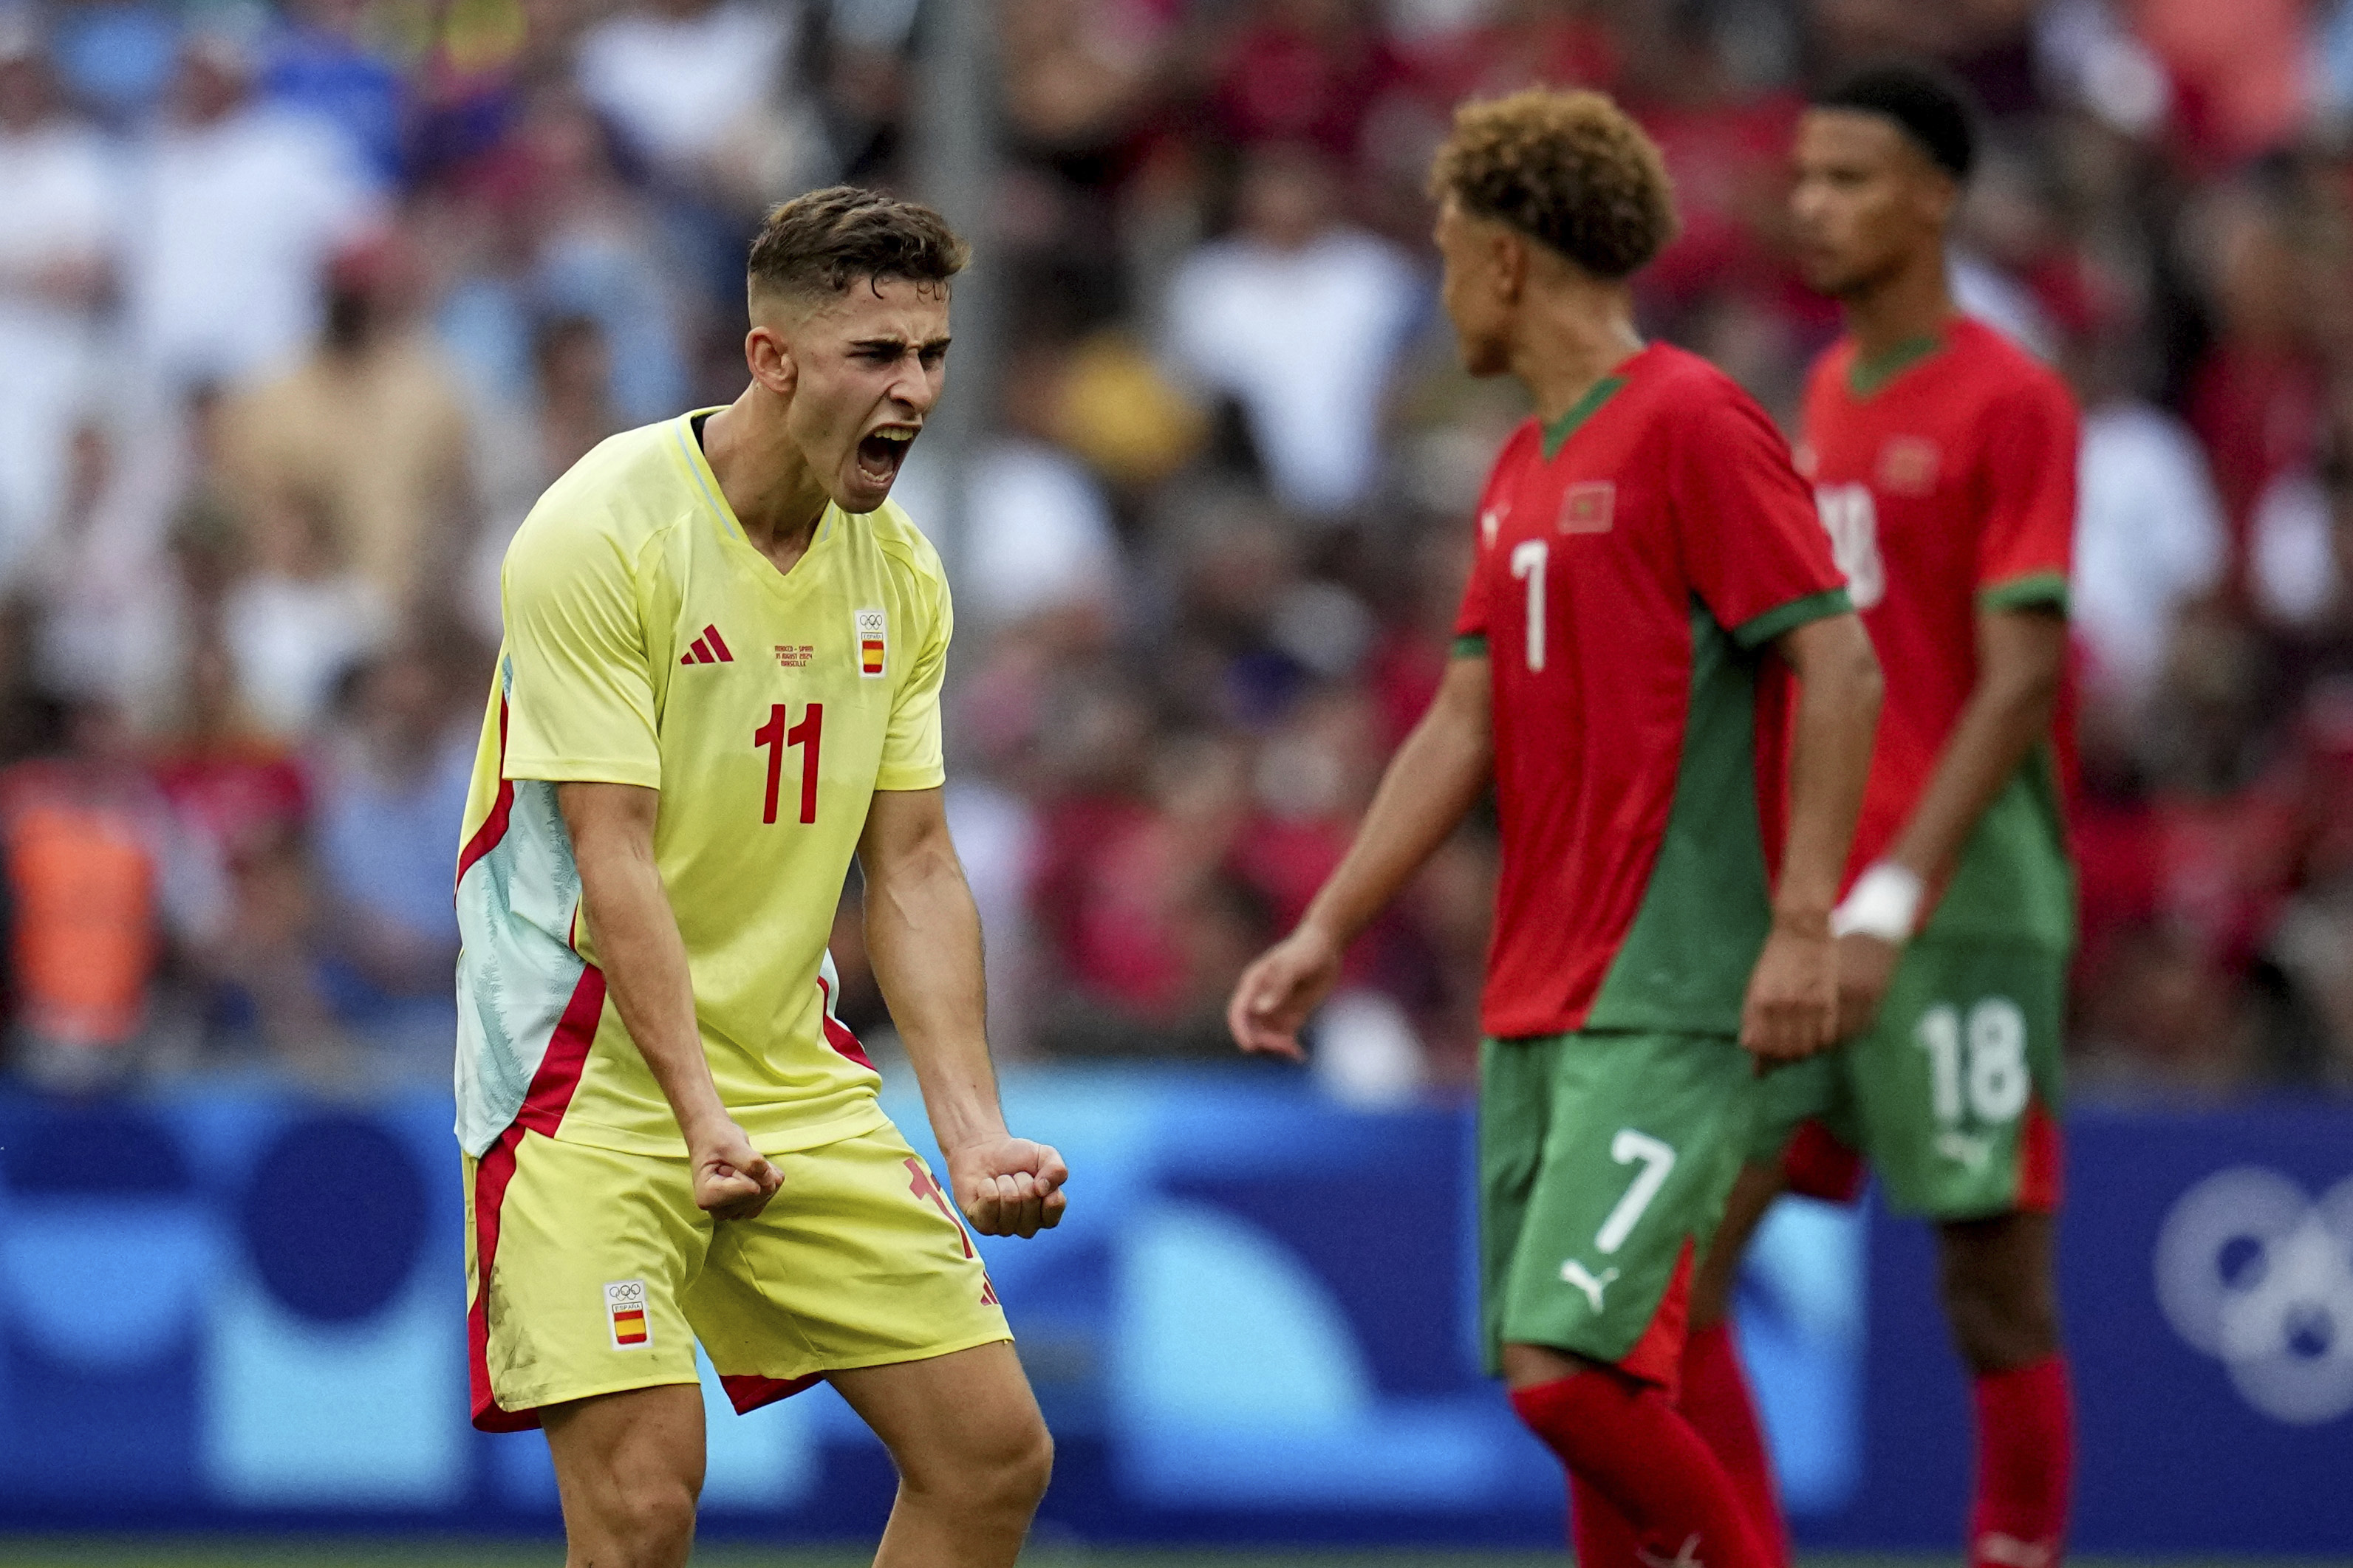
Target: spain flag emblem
873 633
624 1309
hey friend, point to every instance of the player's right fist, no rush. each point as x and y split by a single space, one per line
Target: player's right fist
732 1179
1275 995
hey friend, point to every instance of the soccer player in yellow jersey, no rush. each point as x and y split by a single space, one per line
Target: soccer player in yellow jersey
720 679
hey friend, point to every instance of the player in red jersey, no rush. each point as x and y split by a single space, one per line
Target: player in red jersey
1649 570
1943 460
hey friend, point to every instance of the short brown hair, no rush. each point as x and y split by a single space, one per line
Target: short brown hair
1571 169
823 242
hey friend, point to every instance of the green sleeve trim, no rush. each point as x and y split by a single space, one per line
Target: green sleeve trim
1756 631
2035 591
1471 645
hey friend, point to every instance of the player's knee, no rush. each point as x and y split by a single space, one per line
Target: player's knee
1003 1473
1028 1470
1019 1463
2000 1317
650 1520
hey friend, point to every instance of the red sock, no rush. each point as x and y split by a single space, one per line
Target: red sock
2026 1450
1717 1401
1623 1439
1598 1530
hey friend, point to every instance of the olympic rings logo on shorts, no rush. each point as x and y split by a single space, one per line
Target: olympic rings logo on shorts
2253 1272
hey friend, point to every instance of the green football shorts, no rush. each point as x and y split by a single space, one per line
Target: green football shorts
1603 1160
1952 1096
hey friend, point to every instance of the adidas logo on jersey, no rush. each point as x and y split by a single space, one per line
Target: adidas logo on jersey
708 648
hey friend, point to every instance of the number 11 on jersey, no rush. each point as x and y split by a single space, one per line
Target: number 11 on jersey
806 736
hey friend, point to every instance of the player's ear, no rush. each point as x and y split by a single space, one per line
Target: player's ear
770 358
1508 260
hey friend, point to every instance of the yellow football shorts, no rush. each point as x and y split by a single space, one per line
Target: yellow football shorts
587 1270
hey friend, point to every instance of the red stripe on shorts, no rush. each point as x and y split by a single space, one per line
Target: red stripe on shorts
543 1113
1658 1356
2040 1162
1817 1166
749 1391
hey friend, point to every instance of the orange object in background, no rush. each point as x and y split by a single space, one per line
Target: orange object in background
83 885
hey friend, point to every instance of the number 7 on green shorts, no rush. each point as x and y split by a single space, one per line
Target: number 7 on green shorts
1604 1160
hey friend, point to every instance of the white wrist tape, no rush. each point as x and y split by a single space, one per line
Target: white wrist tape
1884 902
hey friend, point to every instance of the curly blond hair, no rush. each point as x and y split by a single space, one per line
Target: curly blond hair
1571 169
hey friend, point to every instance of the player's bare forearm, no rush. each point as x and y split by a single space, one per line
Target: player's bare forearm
635 933
1839 693
2021 656
1429 786
923 933
636 937
1791 1009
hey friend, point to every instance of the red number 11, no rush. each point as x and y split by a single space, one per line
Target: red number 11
809 732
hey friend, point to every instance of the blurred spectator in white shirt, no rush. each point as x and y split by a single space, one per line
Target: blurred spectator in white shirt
1036 530
2302 548
2148 539
57 198
701 90
1299 319
555 232
238 207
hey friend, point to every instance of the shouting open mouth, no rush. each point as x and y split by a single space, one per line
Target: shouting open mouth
882 451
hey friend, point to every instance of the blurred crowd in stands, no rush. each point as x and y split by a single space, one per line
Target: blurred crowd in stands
301 306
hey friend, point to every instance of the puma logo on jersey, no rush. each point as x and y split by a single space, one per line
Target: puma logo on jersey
1574 1273
708 648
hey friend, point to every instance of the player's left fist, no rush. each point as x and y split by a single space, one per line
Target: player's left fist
1791 1011
1010 1186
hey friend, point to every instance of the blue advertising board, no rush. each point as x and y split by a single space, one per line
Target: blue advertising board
239 1306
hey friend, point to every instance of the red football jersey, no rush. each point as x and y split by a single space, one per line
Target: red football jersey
1633 561
1945 477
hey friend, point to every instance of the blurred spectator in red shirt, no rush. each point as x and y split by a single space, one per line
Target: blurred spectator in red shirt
2255 399
1302 70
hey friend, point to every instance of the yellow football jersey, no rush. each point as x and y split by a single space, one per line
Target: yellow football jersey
648 642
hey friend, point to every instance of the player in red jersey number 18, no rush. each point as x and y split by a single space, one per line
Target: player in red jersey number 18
1943 462
1648 571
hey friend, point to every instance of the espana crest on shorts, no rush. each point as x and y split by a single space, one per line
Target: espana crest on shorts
624 1311
874 636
